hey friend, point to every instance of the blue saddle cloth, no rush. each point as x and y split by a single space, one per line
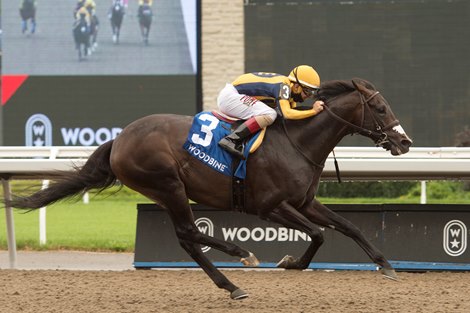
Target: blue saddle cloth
202 143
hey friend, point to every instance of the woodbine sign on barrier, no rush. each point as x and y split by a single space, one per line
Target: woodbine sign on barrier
355 163
412 237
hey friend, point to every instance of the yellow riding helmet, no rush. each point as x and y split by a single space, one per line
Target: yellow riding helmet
305 76
82 10
90 4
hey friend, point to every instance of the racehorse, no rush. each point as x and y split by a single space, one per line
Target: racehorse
116 18
281 181
145 15
81 36
28 12
94 26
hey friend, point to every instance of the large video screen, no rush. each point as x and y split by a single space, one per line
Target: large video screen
415 52
75 72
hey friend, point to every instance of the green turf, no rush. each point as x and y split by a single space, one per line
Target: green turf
106 223
100 225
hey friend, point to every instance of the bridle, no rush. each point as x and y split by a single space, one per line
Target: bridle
379 135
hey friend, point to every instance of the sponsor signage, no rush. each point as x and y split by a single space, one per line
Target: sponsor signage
404 233
455 238
88 111
39 129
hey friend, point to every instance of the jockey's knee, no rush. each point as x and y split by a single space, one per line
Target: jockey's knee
265 120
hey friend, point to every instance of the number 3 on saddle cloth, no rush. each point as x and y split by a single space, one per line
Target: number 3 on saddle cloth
207 130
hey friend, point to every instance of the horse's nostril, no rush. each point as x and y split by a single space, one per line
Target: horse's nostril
406 142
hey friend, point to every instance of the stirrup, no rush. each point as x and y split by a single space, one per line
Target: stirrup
230 147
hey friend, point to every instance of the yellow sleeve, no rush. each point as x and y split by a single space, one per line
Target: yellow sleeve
292 114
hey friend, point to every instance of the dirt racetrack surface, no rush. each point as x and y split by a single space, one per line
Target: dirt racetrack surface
160 291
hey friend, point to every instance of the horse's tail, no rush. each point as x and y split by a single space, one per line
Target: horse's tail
96 173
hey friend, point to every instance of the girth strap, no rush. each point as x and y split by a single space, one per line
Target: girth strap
238 189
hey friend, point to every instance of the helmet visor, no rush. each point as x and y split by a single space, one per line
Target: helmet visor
309 92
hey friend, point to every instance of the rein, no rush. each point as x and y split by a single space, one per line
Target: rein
315 164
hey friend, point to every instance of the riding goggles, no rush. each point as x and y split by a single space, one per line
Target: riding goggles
309 91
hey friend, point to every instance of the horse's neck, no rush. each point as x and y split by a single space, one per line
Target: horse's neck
318 136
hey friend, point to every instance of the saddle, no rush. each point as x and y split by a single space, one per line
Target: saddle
235 122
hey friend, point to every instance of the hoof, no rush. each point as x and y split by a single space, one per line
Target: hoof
389 273
251 260
238 294
286 262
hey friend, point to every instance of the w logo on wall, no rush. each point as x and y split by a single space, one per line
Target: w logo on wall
38 131
455 238
206 227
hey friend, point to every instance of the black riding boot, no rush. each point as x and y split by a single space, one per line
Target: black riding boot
233 143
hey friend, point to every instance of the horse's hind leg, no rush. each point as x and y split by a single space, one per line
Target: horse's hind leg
321 215
187 232
217 277
288 216
247 258
171 193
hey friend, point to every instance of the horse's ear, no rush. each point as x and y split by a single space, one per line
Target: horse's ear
358 84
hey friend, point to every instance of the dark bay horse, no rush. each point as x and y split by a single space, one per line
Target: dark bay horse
94 27
281 182
145 16
81 36
116 16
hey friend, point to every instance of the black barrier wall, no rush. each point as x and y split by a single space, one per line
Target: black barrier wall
411 233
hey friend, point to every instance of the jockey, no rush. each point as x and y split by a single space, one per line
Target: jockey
90 5
143 4
83 13
254 96
80 4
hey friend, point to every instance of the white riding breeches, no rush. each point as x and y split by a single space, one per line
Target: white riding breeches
231 103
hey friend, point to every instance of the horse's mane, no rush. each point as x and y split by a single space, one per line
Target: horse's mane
333 88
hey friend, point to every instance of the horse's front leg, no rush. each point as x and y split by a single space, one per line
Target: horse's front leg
288 216
321 215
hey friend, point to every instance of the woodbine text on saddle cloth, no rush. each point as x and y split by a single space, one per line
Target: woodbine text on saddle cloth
205 133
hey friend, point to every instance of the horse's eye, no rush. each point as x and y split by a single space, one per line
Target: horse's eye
381 110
